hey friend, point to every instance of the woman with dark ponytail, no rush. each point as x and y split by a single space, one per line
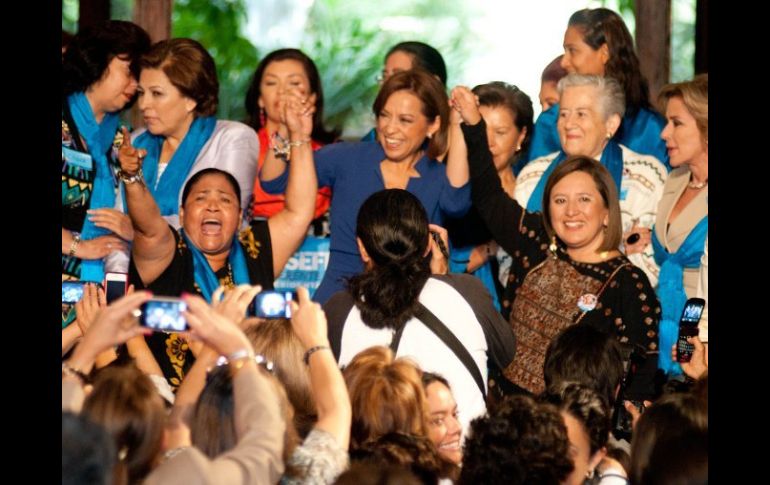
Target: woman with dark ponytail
380 305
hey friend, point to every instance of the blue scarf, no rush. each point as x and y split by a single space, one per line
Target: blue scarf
204 276
166 190
98 137
671 288
612 158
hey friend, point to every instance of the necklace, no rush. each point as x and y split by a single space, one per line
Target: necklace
697 186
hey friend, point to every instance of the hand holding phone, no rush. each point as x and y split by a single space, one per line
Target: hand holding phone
440 243
273 304
688 327
164 314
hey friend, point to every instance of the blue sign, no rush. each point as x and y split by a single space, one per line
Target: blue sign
306 267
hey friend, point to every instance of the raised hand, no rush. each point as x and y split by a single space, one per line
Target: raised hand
467 104
439 257
130 158
214 329
114 221
308 320
235 302
297 112
87 308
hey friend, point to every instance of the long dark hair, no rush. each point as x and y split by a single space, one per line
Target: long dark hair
603 26
424 56
393 227
252 96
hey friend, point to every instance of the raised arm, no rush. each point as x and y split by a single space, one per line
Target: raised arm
457 157
328 386
501 214
154 245
289 227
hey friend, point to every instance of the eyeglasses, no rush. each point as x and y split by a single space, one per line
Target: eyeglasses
260 360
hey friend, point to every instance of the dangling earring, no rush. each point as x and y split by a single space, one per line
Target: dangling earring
553 247
262 117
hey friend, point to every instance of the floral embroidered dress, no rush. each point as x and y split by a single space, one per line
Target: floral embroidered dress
172 353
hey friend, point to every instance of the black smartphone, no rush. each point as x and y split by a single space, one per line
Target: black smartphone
72 291
164 314
622 422
688 327
440 242
115 286
273 304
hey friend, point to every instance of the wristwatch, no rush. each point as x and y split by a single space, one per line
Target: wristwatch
131 179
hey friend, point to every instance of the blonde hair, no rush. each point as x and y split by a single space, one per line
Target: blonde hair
386 396
695 96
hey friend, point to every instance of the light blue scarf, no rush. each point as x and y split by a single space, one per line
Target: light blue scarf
204 276
166 190
612 159
98 138
671 288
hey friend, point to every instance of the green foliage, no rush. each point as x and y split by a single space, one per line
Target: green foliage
348 44
217 25
70 11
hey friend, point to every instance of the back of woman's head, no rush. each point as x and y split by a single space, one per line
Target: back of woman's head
498 94
585 405
126 403
276 340
603 26
90 52
212 425
695 96
423 56
519 439
393 227
414 453
670 444
606 187
190 68
386 396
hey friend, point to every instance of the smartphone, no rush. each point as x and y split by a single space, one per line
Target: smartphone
164 314
273 304
72 291
634 357
688 327
440 243
115 286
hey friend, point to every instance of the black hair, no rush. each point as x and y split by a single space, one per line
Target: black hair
211 171
90 52
393 227
88 452
424 56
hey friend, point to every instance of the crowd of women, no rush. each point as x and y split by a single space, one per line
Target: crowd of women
502 293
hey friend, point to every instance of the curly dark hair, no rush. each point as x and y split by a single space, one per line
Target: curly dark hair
411 452
585 405
393 227
603 26
521 440
90 52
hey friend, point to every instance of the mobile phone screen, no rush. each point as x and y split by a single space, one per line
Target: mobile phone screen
273 304
71 291
688 327
164 315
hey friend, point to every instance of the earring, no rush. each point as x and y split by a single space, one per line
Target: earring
553 247
609 135
262 117
590 474
518 148
430 135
